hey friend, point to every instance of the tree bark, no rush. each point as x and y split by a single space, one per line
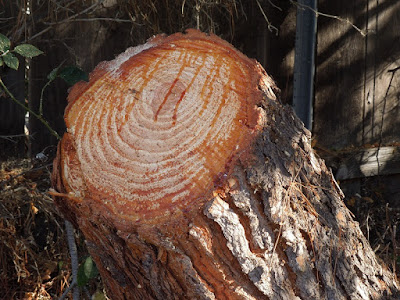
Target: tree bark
189 180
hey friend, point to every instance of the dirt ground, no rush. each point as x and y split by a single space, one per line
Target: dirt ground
34 257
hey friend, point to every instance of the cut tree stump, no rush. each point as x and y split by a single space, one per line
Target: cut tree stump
190 180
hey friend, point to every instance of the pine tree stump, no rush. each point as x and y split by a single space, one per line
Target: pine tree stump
190 180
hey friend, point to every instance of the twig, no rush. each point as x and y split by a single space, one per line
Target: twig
41 97
270 26
46 85
10 137
4 209
5 182
274 5
394 70
71 286
74 257
65 21
183 7
7 19
317 13
39 117
93 19
395 257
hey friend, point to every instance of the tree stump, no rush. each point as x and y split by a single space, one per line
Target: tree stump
189 180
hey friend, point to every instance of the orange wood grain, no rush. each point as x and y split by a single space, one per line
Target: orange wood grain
157 129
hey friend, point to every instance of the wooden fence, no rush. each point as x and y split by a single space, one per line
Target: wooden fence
357 94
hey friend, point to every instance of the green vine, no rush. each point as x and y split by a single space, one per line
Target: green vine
70 74
38 116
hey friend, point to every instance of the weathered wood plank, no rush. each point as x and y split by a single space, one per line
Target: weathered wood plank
339 73
382 53
370 162
356 98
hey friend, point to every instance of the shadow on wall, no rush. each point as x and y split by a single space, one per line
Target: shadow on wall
356 98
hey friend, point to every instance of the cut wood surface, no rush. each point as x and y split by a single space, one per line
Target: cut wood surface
152 130
189 180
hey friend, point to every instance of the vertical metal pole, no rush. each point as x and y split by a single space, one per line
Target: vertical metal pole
304 61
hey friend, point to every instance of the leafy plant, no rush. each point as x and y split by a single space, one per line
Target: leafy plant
7 56
70 74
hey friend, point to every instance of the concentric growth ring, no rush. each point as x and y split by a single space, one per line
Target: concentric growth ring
157 128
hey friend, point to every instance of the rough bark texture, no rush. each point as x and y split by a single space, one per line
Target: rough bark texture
259 215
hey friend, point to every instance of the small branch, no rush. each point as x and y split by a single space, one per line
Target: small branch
6 19
74 257
39 117
270 26
64 21
274 5
94 19
10 137
394 70
5 182
66 292
317 13
41 97
394 244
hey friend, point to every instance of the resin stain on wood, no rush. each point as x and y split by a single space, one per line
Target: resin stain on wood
155 128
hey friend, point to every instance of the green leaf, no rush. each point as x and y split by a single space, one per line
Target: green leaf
87 270
11 61
1 62
4 43
72 75
27 50
90 268
82 278
54 73
99 295
60 264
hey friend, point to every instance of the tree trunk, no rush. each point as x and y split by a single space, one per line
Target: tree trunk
190 180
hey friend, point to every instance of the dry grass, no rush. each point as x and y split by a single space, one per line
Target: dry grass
34 257
379 221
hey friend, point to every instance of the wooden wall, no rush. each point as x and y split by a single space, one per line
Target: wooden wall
357 96
356 103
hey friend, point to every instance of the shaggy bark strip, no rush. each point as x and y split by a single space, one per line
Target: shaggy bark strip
189 180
